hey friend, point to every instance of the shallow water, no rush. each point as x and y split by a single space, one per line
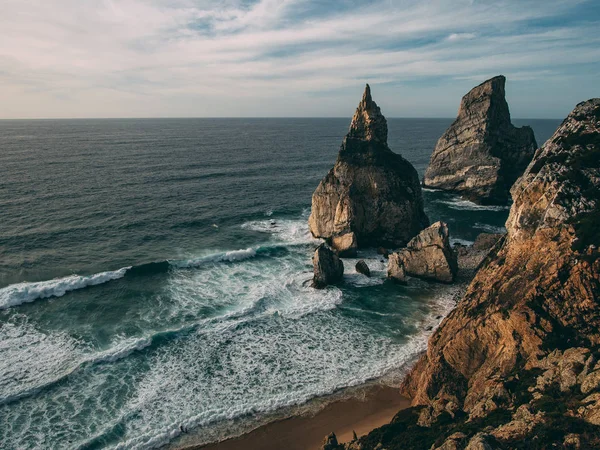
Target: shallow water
154 273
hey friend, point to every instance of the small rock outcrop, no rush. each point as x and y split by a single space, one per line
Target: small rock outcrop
372 196
361 267
327 266
330 442
396 270
482 154
428 255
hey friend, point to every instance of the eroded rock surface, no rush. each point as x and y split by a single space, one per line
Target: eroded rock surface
371 191
482 154
428 255
327 266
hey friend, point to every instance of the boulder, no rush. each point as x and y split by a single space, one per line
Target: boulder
361 267
481 154
371 191
396 270
428 255
345 245
327 266
330 442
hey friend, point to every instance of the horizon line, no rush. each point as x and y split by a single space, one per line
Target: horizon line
245 117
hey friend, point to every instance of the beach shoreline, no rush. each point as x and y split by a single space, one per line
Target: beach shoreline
368 408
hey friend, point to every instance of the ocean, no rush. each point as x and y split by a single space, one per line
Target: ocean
154 275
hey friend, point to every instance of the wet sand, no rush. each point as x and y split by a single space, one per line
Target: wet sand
377 407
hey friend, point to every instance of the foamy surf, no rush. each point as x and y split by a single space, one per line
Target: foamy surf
291 232
462 204
489 228
17 294
229 256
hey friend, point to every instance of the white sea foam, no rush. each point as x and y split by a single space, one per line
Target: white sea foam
462 204
489 228
16 294
121 349
307 358
230 256
259 339
284 230
31 360
377 266
461 241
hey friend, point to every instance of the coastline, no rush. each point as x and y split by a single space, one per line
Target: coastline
371 406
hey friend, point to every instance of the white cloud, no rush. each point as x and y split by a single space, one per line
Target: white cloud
130 58
461 36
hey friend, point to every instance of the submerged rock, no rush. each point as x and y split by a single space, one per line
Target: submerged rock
327 266
371 192
482 154
383 252
428 255
361 267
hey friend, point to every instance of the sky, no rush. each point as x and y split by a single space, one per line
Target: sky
292 58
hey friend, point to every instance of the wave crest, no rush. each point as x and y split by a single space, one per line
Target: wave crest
17 294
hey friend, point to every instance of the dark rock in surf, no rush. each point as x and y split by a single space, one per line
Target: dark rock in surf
482 154
330 442
361 267
383 252
372 196
327 266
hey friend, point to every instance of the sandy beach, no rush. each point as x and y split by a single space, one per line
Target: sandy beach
376 407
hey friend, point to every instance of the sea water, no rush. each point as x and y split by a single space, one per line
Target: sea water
155 275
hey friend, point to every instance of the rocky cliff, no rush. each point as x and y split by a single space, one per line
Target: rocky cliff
517 363
482 154
372 196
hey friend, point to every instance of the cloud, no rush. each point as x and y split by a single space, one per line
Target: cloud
78 58
461 36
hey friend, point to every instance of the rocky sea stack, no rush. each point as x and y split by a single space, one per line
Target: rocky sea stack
372 196
517 363
327 267
481 154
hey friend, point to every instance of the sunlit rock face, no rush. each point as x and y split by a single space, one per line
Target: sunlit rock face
371 191
528 326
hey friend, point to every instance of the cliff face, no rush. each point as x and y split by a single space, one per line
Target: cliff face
481 154
371 192
517 363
